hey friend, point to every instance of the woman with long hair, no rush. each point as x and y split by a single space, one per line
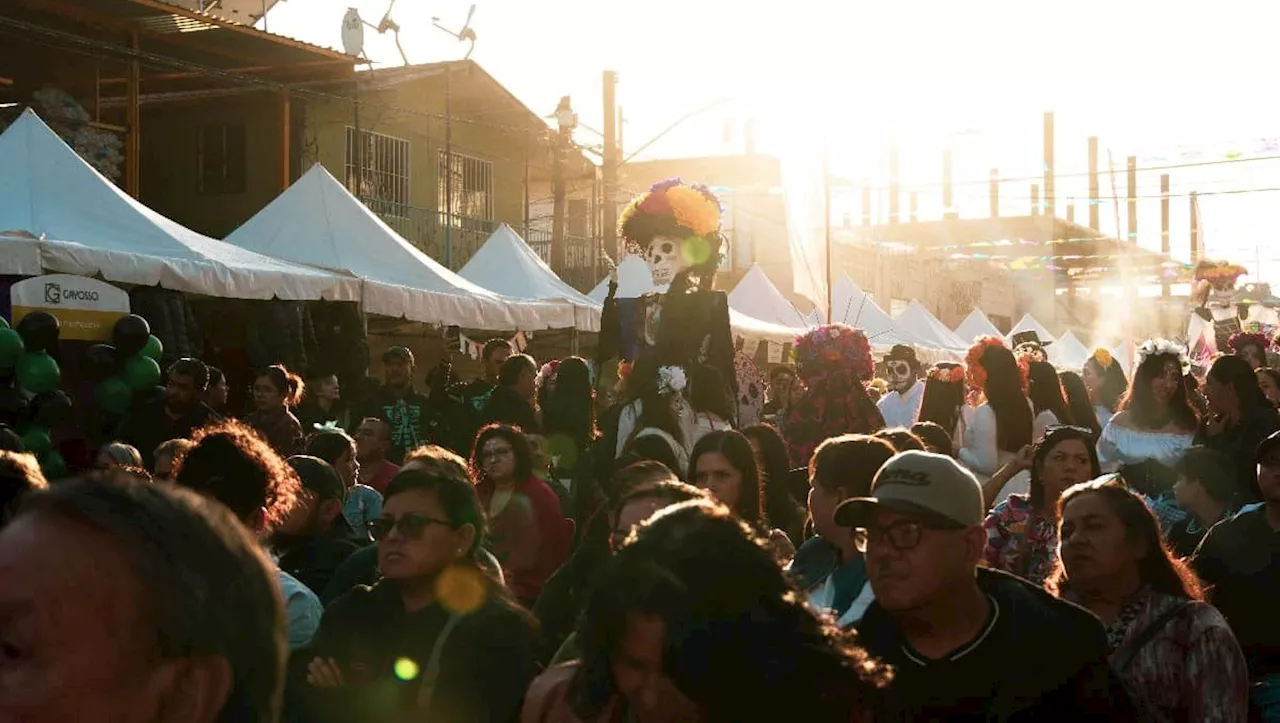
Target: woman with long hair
710 401
1240 417
655 398
1153 429
1022 531
1175 653
1001 425
1269 383
693 621
1048 402
943 402
724 464
276 390
322 403
781 507
569 427
1082 411
833 361
1106 383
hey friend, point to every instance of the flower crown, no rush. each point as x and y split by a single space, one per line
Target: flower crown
1163 347
948 374
548 372
1103 357
668 208
671 380
975 373
834 347
1242 339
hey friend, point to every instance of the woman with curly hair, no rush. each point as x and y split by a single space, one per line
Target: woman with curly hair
1002 423
833 361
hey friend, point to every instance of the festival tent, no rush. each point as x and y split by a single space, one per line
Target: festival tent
856 308
505 264
917 321
1068 352
317 222
59 215
634 281
976 324
1029 323
757 297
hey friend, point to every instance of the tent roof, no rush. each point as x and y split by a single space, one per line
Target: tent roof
917 321
1068 352
507 265
855 307
976 324
88 226
1029 323
634 281
756 296
316 221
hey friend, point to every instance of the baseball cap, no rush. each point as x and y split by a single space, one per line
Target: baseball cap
318 477
397 352
933 488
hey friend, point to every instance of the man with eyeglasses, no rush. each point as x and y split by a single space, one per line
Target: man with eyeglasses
967 642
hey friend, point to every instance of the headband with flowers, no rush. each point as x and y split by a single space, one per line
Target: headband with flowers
975 373
1163 347
1103 358
671 380
548 372
1242 339
950 374
834 347
670 208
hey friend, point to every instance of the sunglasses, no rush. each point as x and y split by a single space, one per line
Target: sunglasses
410 525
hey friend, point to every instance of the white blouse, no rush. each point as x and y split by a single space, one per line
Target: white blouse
631 414
1122 445
1104 415
983 456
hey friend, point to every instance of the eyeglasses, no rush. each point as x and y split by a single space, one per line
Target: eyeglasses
410 525
903 535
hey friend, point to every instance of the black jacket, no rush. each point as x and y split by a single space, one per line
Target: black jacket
1041 659
148 426
313 560
506 407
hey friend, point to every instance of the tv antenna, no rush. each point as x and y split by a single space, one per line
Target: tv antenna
353 32
467 33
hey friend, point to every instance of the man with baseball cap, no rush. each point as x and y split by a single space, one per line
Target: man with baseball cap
398 404
315 538
967 642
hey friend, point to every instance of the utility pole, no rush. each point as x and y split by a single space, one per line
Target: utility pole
566 120
448 166
610 170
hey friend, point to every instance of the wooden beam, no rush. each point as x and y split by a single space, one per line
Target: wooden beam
166 8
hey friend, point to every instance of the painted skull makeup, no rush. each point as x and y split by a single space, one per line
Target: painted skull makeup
1032 349
899 375
665 259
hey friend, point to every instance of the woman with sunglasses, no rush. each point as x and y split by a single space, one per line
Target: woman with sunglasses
436 638
1022 531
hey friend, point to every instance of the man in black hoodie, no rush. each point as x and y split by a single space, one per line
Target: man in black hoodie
968 643
176 415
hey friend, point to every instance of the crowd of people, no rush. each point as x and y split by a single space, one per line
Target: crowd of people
996 539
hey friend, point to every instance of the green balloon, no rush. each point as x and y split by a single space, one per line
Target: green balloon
53 465
113 394
11 347
36 440
38 373
141 372
4 323
153 349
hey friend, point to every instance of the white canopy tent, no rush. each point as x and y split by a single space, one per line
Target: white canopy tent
856 308
757 297
319 223
917 321
59 215
1068 352
634 281
505 264
976 324
1029 323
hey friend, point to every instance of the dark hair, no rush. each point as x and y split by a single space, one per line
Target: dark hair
737 637
494 345
1273 374
1266 449
289 384
670 491
232 464
195 369
707 393
655 407
782 370
20 475
216 376
513 367
1235 372
1003 389
1045 391
1215 471
635 474
901 438
737 450
942 400
571 411
519 447
330 445
205 586
1140 401
1159 569
655 448
935 438
849 463
1052 438
1113 386
1082 411
780 506
455 493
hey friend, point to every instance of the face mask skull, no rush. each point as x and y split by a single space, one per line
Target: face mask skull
1033 350
665 259
898 374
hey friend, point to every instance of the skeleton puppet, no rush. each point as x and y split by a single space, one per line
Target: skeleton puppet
675 227
901 405
1028 342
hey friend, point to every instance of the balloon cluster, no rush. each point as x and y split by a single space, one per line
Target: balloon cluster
30 397
131 365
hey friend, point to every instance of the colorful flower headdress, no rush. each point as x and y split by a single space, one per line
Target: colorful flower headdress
1163 347
1242 339
974 371
548 372
671 380
1103 358
833 347
950 373
671 208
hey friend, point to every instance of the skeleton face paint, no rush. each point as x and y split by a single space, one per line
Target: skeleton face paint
665 259
898 374
1034 350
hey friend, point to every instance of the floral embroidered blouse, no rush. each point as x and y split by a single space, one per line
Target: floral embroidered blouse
1020 540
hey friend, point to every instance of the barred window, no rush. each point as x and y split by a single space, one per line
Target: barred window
382 180
472 188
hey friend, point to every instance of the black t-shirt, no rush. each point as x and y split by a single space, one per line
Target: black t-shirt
1239 560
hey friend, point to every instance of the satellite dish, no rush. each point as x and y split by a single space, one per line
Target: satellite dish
467 33
353 33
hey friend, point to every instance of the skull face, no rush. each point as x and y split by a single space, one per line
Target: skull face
1033 350
665 259
898 374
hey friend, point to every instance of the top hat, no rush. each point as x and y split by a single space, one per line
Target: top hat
1027 337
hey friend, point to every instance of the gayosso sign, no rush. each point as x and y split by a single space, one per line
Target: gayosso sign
86 308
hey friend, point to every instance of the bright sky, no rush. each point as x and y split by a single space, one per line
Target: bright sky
1168 82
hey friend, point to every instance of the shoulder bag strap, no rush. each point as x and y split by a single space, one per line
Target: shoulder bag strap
1148 634
430 674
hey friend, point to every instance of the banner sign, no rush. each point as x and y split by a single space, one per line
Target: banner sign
87 309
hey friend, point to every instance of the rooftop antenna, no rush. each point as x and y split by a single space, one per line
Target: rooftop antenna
467 33
353 32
